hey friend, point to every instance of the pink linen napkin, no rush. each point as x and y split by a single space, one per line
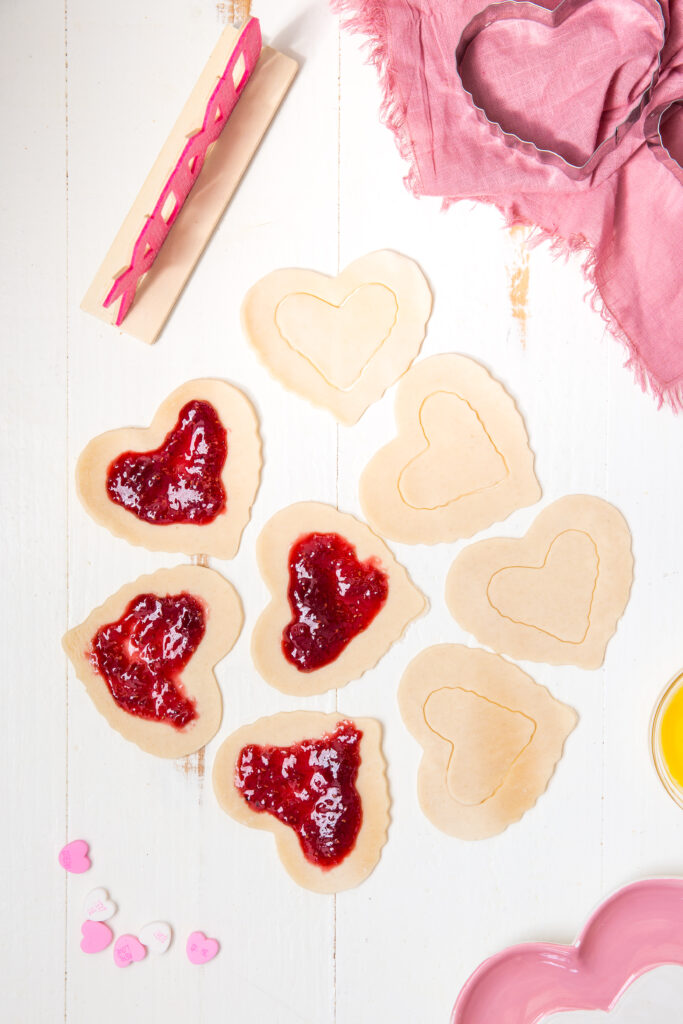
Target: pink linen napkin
570 120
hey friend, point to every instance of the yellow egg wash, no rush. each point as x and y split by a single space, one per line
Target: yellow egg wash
671 734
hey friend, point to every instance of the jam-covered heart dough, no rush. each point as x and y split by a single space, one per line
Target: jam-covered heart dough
339 599
491 738
460 461
187 482
146 657
557 594
318 783
340 341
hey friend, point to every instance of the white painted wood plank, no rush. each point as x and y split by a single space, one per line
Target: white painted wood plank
164 847
436 906
32 510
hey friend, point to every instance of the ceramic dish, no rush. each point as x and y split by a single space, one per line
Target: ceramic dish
632 932
671 785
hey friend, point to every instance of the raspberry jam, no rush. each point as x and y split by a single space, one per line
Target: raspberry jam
333 597
141 656
310 786
179 482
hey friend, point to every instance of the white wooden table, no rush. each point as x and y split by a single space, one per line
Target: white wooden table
89 92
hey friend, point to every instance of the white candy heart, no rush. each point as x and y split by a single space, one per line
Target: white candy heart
98 906
156 936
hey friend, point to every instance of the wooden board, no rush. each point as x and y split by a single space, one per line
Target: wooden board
324 188
228 160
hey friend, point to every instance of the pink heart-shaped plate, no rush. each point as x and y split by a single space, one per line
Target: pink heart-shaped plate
635 930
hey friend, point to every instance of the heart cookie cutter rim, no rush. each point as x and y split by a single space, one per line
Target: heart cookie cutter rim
527 10
633 931
655 140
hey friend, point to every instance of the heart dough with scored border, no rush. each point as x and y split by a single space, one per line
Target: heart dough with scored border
223 615
491 738
240 474
460 461
555 595
291 727
340 341
403 604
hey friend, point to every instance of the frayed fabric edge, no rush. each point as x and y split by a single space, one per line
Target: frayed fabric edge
368 18
670 395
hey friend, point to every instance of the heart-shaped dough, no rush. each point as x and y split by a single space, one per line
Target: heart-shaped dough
460 461
222 622
370 784
557 594
239 475
491 738
340 341
401 600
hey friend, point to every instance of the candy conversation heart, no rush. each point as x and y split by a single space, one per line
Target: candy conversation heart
317 782
74 857
199 949
491 738
340 341
156 937
146 657
339 599
96 936
556 594
460 461
187 482
128 950
98 906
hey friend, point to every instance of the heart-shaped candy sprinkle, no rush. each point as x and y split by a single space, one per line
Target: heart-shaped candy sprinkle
200 949
128 950
74 857
98 906
156 936
96 936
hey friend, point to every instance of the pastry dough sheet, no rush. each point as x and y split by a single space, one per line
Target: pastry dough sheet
460 460
240 475
404 602
555 595
340 342
224 617
291 727
491 738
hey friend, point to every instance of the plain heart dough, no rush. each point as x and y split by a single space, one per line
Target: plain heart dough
491 738
340 341
557 594
291 727
404 602
460 461
240 474
223 624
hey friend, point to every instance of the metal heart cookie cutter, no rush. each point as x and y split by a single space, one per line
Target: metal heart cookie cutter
526 10
653 136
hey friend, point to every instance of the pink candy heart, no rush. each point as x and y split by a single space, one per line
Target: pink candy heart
128 950
96 936
200 949
74 857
